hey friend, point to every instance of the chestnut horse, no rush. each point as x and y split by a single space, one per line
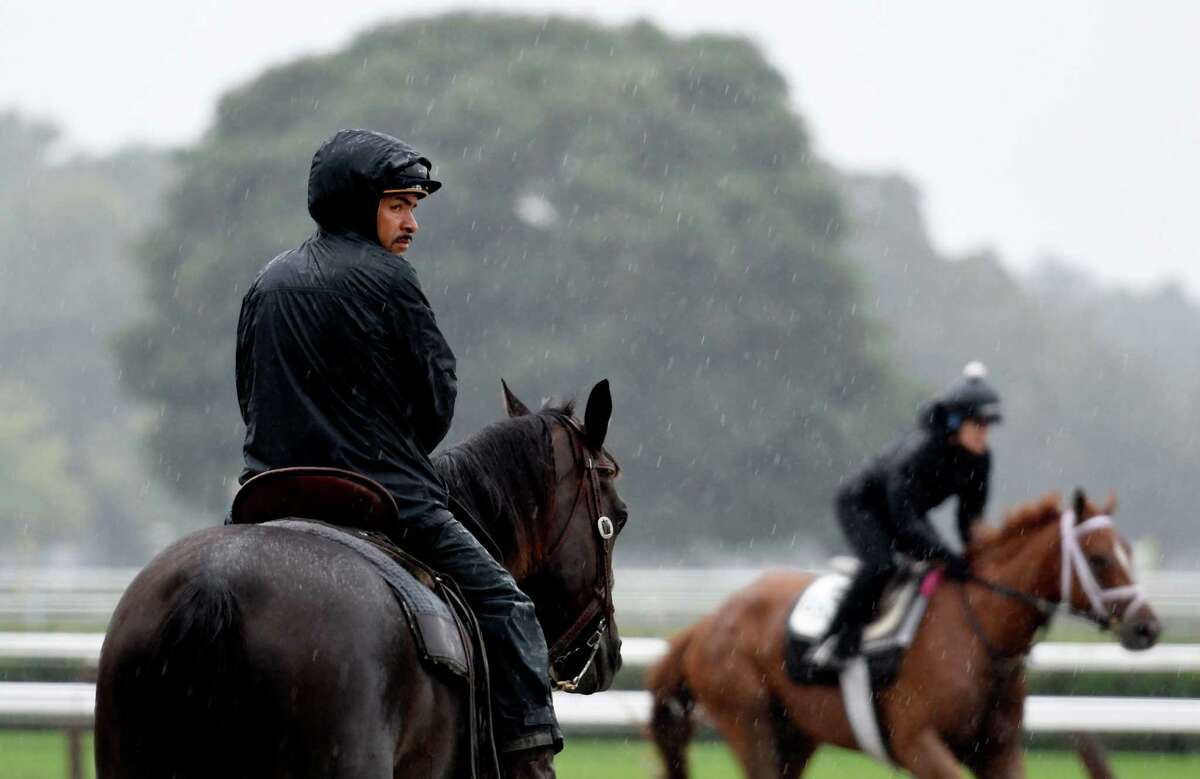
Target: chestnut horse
254 650
960 691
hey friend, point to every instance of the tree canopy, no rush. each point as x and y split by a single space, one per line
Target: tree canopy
618 203
68 435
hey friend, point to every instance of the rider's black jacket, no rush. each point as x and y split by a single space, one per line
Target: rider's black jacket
899 488
340 361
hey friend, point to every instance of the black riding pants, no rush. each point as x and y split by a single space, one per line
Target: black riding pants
522 709
875 549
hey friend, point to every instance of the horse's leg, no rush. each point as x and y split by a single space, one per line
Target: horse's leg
793 747
1000 756
794 756
751 733
1005 764
927 756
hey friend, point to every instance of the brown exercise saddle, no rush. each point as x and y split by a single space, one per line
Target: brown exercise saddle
330 495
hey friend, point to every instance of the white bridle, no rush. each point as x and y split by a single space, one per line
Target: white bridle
1075 561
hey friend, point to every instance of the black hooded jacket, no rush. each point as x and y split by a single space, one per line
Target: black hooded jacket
340 361
900 487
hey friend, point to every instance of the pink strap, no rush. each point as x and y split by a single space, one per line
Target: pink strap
930 583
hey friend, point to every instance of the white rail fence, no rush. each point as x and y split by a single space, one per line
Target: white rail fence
71 706
640 653
644 596
662 597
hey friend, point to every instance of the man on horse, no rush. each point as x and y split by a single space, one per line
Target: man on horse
883 510
341 363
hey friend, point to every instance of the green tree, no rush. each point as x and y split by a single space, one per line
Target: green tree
618 203
66 287
38 501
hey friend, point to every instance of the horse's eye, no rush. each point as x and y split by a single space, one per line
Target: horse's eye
1097 562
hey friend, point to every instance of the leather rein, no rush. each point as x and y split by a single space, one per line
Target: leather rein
600 606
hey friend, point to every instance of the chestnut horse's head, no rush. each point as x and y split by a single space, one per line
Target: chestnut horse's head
1097 573
571 577
1087 566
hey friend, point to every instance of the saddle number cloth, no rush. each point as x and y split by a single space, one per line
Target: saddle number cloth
816 606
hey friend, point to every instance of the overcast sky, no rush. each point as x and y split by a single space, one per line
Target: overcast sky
1068 127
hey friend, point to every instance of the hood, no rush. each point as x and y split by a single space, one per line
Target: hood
350 172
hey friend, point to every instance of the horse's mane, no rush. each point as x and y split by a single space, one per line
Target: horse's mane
504 471
1019 522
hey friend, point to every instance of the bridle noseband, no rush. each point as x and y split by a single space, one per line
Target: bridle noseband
1074 558
1074 561
601 605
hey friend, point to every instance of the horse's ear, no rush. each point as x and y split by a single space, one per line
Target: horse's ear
597 414
513 404
1080 504
1110 505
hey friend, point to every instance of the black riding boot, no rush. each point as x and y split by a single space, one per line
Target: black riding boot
522 709
843 638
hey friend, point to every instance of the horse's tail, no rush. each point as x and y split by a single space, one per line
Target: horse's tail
671 707
186 690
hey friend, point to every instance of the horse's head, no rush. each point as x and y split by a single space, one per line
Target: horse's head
1097 573
1074 558
572 579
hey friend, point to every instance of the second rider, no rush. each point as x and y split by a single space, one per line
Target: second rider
883 510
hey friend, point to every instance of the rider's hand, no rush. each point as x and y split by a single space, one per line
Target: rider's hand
956 567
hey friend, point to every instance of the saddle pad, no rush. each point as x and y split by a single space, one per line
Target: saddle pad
811 615
884 639
437 632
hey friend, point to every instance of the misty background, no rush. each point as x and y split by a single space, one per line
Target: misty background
776 237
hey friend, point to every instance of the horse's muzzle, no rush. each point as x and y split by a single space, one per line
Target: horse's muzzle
1140 631
604 666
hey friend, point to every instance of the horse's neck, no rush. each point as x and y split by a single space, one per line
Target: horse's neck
1011 625
509 532
517 536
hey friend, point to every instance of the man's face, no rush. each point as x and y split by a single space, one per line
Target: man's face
395 222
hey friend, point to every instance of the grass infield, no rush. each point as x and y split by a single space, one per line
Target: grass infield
42 755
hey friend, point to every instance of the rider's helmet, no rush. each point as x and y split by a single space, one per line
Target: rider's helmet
971 397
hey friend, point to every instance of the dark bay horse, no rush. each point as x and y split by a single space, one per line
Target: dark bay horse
252 650
960 692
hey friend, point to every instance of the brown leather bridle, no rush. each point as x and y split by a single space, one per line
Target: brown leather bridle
600 606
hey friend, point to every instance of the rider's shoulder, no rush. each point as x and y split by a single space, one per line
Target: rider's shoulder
282 271
916 445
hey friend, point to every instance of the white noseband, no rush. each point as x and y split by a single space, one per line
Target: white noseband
1074 560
